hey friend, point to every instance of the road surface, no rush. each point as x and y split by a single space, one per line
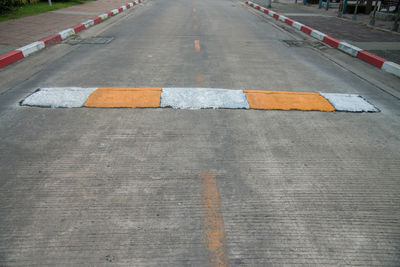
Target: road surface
166 187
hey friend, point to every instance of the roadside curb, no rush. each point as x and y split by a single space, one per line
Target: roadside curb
347 48
22 52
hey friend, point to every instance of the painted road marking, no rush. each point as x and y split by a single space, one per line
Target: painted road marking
349 102
196 98
195 27
59 97
194 17
197 46
287 100
124 98
194 10
214 236
200 78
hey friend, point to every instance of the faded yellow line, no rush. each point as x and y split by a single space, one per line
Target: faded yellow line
195 27
199 79
194 10
197 46
214 236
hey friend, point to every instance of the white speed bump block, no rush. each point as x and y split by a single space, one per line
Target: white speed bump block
349 102
59 97
198 98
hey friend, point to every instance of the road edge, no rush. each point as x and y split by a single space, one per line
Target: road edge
22 52
376 61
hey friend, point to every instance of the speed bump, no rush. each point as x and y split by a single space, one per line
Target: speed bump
196 98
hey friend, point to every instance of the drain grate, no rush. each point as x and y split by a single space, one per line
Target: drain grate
97 40
304 43
93 40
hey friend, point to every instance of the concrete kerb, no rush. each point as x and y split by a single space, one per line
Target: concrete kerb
19 53
347 48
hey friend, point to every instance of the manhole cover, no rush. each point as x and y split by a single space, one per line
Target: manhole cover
304 43
97 40
93 40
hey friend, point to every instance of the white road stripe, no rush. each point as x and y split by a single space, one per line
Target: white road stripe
349 102
198 98
59 97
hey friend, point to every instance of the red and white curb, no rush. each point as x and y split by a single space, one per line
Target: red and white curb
17 54
352 50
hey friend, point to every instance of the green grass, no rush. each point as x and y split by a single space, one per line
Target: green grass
33 9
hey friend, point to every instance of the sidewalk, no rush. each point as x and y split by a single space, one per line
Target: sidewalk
19 32
377 40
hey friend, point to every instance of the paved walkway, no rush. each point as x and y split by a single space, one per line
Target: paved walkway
377 40
19 32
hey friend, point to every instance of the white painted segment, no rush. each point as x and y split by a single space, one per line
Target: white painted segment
115 11
349 49
282 18
31 48
318 35
59 97
130 4
391 67
66 33
123 8
262 9
297 25
103 16
88 23
271 13
198 98
349 102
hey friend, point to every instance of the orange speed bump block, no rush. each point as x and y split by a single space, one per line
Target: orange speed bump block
124 98
287 100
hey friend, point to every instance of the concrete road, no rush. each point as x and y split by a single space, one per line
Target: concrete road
165 187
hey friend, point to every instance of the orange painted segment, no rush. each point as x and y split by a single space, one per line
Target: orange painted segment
214 236
287 100
124 98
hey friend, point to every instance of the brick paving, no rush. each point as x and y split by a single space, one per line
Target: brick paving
19 32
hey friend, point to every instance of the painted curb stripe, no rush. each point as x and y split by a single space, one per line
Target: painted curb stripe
66 33
31 48
15 55
371 58
196 98
352 50
391 67
78 28
124 98
270 100
10 57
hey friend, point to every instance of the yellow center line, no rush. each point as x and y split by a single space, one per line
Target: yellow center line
214 236
197 46
200 79
195 27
